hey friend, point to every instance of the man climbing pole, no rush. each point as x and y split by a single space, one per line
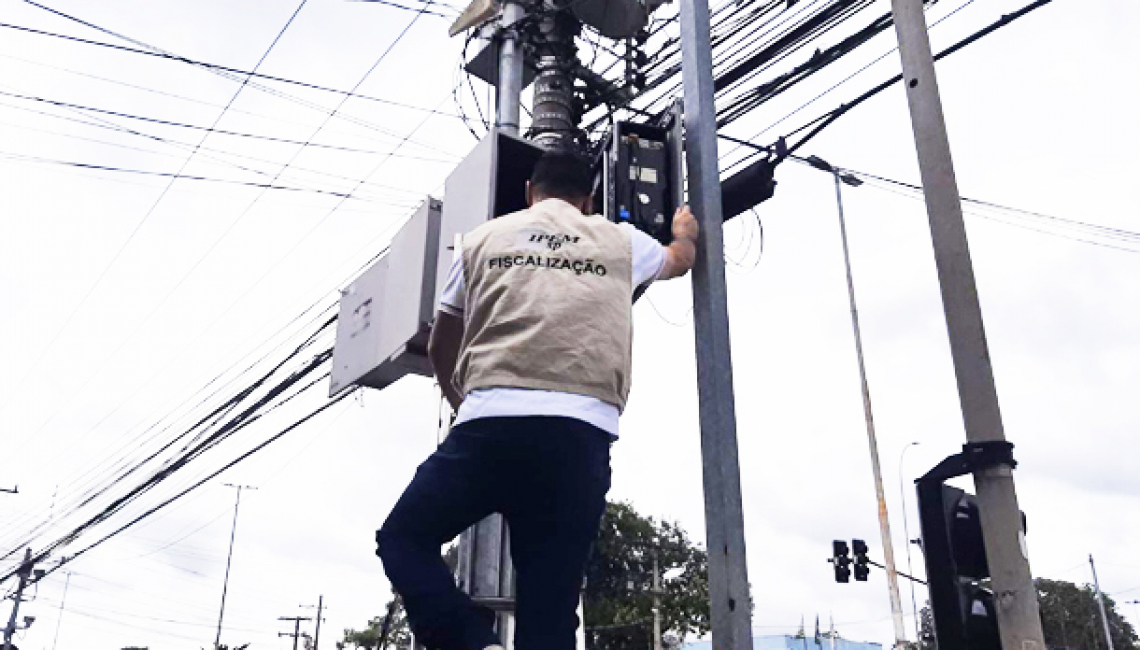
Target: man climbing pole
532 347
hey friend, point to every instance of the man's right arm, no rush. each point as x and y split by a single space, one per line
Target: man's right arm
443 351
682 252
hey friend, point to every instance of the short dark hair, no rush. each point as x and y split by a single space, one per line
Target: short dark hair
562 175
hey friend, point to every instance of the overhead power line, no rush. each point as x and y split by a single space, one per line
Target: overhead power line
828 119
141 172
386 3
196 127
223 427
229 69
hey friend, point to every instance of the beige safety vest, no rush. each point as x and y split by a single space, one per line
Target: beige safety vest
548 304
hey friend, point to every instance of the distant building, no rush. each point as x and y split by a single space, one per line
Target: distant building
796 642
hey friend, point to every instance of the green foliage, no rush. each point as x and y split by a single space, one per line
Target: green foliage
1070 618
619 583
926 632
399 634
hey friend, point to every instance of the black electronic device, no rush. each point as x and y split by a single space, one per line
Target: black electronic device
841 559
639 176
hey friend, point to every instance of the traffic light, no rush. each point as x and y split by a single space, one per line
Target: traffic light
963 608
841 560
861 568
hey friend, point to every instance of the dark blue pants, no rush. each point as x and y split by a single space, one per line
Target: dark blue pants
548 476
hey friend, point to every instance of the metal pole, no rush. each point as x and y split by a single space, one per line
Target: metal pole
25 571
62 602
317 633
656 601
724 516
906 534
1015 596
1100 604
510 70
872 440
229 557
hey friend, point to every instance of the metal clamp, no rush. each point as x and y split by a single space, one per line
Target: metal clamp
975 456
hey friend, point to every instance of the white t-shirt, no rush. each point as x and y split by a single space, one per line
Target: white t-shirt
648 260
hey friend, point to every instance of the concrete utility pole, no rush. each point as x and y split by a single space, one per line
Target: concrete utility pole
1100 604
296 633
1015 597
724 514
24 573
872 439
229 557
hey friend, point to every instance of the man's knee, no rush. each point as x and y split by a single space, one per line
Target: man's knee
390 543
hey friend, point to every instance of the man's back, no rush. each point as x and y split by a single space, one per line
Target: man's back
548 304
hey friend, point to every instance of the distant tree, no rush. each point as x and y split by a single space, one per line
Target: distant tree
619 583
926 639
372 637
1070 618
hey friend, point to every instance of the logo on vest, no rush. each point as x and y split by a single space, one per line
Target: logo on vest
552 242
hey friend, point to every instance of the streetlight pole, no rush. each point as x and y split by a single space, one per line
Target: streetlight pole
906 534
229 558
872 439
1100 605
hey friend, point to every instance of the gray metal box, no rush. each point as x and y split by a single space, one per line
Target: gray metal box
490 182
386 313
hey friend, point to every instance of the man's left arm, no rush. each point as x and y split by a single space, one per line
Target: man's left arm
443 351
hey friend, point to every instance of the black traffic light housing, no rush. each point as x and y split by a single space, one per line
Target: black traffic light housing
841 560
962 606
859 547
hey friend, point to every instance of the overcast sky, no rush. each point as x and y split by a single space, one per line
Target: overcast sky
122 295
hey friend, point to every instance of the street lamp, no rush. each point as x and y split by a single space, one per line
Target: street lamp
906 533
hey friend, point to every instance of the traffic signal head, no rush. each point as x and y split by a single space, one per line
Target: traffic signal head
861 568
841 560
964 612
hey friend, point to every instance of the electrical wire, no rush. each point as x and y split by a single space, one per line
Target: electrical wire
234 222
228 69
196 127
210 421
141 172
387 3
